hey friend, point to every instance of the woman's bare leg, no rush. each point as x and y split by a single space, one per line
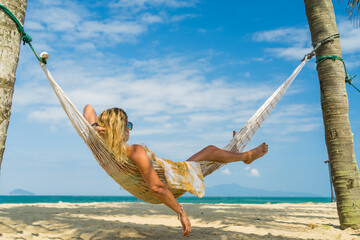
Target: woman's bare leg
212 153
90 114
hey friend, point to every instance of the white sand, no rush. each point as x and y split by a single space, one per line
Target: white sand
146 221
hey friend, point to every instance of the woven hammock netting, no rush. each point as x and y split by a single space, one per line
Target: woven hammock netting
126 173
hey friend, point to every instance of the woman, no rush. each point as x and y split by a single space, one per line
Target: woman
113 126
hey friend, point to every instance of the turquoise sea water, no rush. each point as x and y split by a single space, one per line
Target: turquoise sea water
209 200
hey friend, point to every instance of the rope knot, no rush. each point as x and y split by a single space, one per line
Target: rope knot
349 79
26 38
334 58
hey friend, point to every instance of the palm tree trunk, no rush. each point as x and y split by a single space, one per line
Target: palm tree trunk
334 103
10 40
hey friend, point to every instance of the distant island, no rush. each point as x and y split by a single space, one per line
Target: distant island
20 192
235 190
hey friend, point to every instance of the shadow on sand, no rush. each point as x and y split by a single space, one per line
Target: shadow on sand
116 221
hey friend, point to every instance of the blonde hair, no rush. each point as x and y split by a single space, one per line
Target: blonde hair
115 122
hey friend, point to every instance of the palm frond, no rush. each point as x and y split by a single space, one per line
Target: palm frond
353 7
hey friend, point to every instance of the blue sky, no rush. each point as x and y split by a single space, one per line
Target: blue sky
187 73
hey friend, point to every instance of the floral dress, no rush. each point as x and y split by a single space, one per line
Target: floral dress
180 175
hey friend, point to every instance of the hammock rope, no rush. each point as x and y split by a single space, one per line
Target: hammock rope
25 37
318 44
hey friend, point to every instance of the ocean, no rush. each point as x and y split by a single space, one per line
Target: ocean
185 199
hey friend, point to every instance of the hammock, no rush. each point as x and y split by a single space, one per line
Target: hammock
127 173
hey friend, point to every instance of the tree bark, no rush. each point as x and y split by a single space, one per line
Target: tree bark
334 103
10 40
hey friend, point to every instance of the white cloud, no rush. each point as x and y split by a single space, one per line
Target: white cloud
141 4
353 64
178 18
309 127
294 118
51 115
226 171
293 113
154 131
73 22
292 36
259 59
86 46
150 19
187 101
94 28
128 3
113 31
50 2
290 53
299 41
57 18
207 117
254 172
349 36
34 25
162 118
31 94
188 104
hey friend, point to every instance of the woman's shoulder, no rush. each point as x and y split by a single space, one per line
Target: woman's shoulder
137 147
135 151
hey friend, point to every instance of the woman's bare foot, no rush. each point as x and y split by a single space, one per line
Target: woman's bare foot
256 153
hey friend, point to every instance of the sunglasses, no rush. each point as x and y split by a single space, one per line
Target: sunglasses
130 126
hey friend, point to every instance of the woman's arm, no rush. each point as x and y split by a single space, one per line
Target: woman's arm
142 161
91 116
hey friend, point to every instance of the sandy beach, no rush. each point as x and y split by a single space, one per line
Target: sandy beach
146 221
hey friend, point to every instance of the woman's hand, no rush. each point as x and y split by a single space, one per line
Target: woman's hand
139 156
99 130
185 222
